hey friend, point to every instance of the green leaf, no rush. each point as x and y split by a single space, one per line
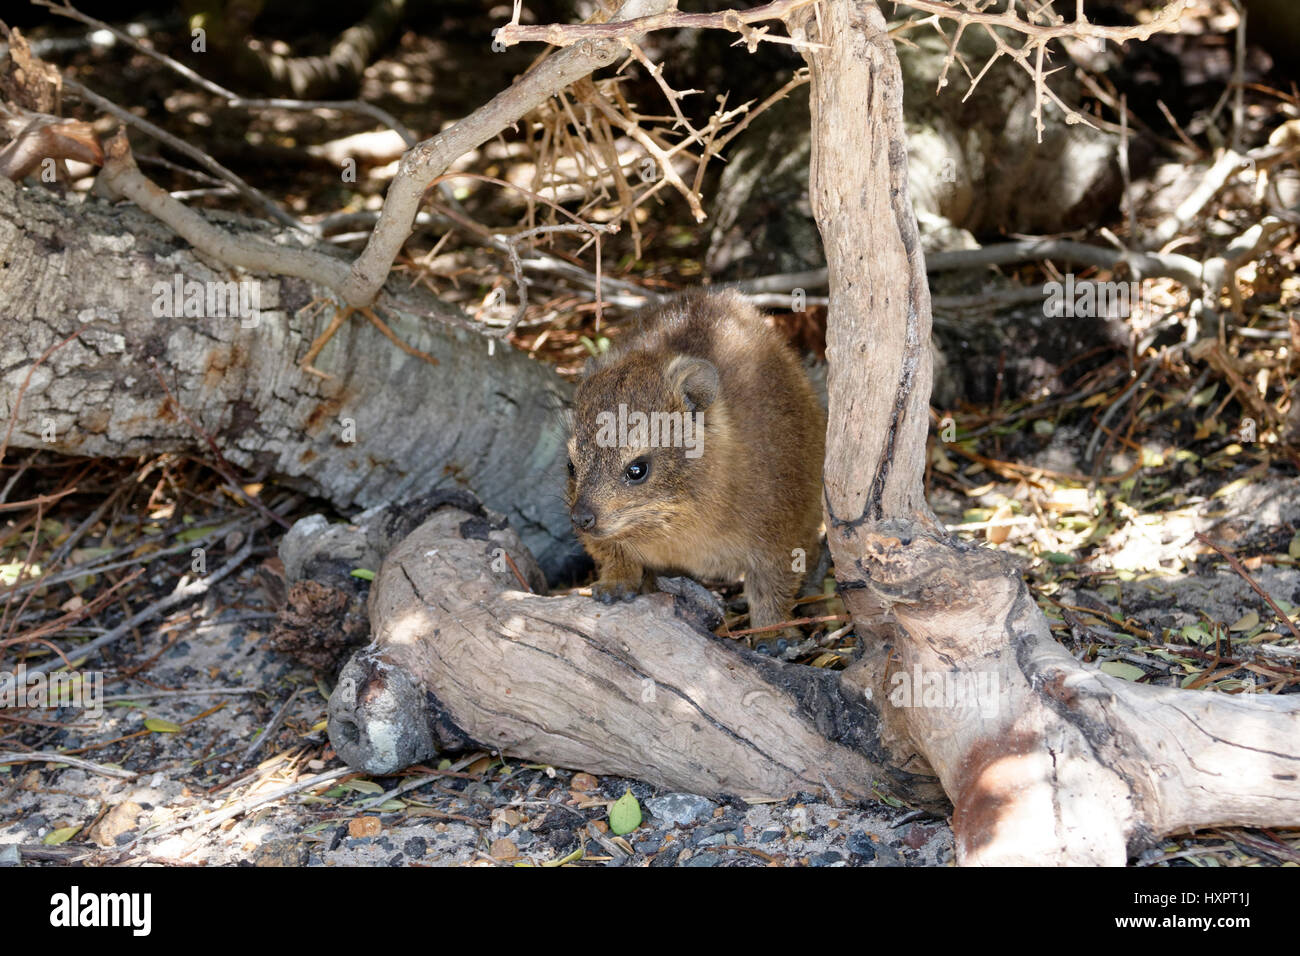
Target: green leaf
160 726
194 534
364 786
363 574
1293 549
624 814
1123 670
1056 557
61 835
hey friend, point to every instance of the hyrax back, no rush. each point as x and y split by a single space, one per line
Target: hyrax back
696 448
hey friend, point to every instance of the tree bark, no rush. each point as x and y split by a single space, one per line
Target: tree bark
386 425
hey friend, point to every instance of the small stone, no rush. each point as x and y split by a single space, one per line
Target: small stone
364 827
510 818
887 856
767 836
479 793
667 856
649 845
827 858
415 847
706 859
860 844
583 782
9 855
503 849
278 853
680 809
917 836
116 823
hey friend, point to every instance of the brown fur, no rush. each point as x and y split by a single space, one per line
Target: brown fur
747 501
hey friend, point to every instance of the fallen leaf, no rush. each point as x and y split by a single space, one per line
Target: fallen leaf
1123 670
624 814
1245 622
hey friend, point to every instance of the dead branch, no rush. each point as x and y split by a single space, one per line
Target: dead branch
1036 37
254 196
737 21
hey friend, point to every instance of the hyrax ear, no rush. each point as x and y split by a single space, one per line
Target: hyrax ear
695 380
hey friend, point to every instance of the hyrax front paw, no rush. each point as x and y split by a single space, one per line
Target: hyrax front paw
607 592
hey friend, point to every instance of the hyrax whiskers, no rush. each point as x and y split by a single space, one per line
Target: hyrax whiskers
696 448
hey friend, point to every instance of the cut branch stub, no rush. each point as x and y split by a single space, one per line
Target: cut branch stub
637 689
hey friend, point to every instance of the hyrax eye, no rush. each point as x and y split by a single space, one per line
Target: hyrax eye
637 471
572 472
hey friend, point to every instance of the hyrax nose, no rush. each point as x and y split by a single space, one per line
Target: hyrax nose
582 516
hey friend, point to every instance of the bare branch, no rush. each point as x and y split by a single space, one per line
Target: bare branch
738 21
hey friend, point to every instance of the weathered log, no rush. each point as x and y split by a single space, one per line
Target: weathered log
461 655
385 426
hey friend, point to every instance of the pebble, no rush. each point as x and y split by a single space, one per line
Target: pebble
827 858
681 809
364 827
887 856
649 845
859 844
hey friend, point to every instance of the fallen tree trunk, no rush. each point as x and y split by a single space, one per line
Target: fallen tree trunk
384 426
462 656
